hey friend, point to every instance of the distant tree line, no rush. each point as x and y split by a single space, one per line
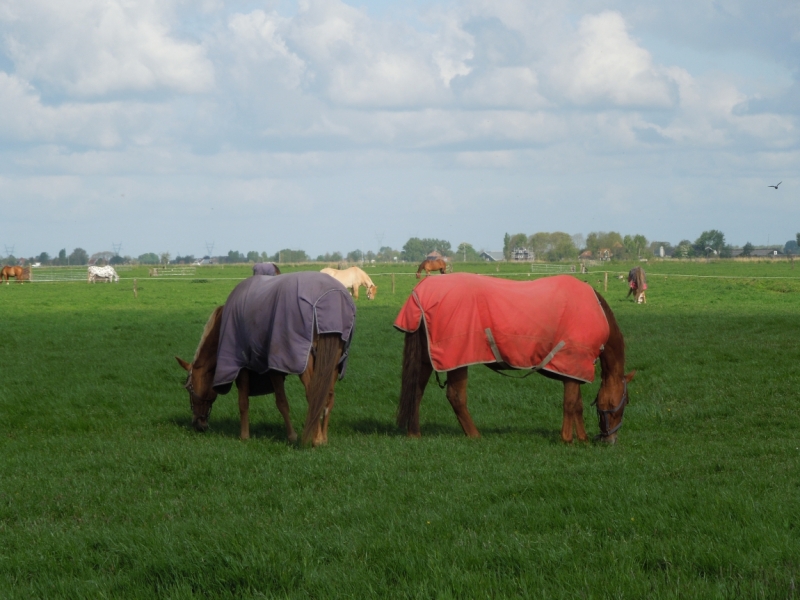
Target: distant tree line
542 246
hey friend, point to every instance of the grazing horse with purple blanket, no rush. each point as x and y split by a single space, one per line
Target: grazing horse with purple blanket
267 268
270 327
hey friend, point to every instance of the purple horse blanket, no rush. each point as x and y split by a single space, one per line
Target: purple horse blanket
267 268
268 325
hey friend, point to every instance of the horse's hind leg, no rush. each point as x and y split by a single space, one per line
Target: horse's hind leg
243 387
457 396
282 403
573 412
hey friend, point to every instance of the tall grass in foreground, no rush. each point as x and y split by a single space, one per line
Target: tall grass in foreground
105 491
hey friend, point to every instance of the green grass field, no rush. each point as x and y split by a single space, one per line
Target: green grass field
106 491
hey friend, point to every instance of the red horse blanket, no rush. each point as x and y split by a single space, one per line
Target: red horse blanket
555 323
268 325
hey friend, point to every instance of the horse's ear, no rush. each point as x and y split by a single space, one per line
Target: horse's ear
183 363
630 376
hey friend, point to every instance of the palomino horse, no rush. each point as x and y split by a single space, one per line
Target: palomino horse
557 326
637 285
17 273
270 327
434 264
352 279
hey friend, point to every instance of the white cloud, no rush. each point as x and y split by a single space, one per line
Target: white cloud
604 64
88 48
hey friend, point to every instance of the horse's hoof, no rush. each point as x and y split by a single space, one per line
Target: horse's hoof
293 438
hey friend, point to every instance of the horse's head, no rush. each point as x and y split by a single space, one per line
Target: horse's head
371 291
612 397
199 382
200 377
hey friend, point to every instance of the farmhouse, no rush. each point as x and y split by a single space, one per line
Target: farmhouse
493 256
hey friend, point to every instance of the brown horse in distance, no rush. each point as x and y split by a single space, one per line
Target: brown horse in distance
17 273
318 379
434 264
610 401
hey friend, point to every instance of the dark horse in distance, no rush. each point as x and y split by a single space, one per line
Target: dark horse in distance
558 326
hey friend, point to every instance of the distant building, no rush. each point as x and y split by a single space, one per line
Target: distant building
521 255
434 255
493 256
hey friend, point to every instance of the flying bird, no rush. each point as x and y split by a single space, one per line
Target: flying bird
775 186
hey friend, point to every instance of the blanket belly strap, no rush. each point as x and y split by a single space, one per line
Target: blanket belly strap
499 358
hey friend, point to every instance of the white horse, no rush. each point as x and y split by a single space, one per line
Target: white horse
352 279
108 273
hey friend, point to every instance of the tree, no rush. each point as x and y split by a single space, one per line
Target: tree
562 247
518 240
79 256
416 249
289 256
634 245
713 239
62 256
234 256
355 256
253 256
116 260
507 246
747 249
149 258
684 249
43 258
791 247
164 258
466 253
597 240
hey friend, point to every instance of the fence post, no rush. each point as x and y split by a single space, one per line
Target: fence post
393 283
605 282
135 293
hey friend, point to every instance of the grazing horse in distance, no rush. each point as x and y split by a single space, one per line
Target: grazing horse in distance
637 285
434 264
17 273
267 268
271 327
108 273
352 279
557 326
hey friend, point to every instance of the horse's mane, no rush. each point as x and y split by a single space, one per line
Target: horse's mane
207 331
615 346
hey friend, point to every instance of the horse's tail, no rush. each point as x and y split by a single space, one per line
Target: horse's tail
412 366
328 353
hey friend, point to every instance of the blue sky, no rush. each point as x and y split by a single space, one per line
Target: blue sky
325 125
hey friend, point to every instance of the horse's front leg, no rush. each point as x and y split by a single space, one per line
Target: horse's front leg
457 396
573 412
355 291
243 387
282 403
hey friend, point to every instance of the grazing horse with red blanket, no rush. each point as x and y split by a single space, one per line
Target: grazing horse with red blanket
17 273
637 285
434 264
270 327
557 326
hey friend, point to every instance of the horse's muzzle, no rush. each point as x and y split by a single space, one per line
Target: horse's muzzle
200 425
